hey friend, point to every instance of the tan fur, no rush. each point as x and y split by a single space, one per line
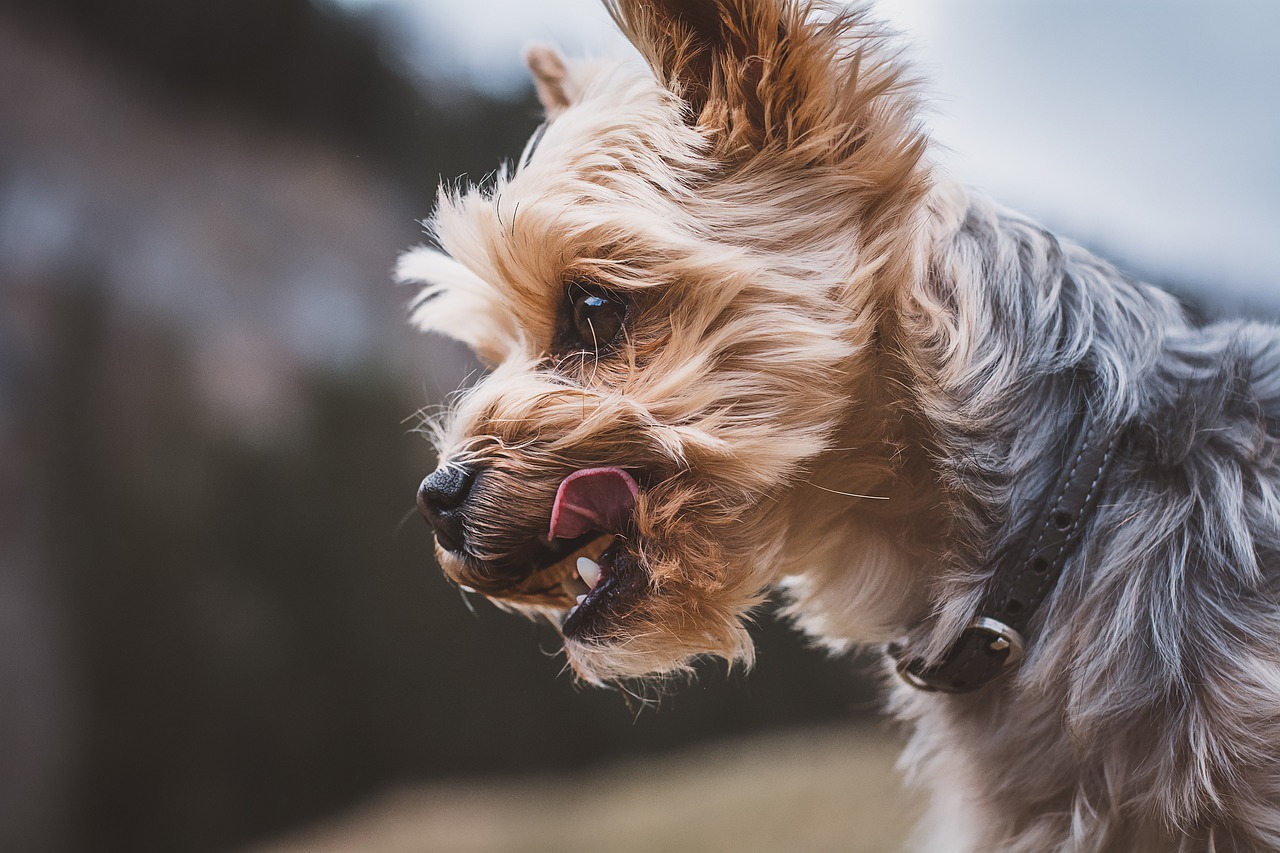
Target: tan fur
729 396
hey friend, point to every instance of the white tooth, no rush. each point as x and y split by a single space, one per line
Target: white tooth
572 610
580 599
589 571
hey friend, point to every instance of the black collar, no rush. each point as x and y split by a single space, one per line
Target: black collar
994 641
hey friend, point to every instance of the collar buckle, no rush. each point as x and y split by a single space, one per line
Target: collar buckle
987 646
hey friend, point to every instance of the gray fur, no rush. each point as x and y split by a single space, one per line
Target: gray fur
1147 715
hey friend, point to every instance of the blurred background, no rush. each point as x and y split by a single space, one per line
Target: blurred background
220 624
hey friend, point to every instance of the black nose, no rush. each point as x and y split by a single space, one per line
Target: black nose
440 499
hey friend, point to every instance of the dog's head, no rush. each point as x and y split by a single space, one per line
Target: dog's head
679 289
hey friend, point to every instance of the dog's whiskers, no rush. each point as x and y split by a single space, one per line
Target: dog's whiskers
466 600
399 528
848 494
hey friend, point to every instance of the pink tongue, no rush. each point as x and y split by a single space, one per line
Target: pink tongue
593 499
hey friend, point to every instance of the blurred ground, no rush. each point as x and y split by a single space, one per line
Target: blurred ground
824 789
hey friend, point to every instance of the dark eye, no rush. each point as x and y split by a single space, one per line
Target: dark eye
595 318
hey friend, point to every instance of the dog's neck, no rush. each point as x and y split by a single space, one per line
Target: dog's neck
932 439
873 516
1024 574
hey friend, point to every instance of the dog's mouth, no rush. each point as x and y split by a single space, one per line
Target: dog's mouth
599 501
586 563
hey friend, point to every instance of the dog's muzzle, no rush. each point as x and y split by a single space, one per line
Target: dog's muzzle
575 558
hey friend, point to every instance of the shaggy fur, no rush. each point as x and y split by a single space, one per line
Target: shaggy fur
843 375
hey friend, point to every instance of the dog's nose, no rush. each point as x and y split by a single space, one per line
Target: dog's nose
440 500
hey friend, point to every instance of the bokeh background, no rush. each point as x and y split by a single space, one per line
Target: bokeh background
220 624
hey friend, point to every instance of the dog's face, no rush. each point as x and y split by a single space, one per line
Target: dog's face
678 289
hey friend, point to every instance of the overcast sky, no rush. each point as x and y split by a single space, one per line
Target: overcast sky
1149 129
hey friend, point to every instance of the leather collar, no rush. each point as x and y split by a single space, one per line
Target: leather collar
994 641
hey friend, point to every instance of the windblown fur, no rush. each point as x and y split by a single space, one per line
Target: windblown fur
844 375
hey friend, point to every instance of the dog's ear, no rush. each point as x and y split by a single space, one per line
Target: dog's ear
551 78
777 74
742 67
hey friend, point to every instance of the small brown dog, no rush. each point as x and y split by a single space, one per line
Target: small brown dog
744 338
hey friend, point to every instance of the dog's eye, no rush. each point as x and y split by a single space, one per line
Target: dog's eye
596 318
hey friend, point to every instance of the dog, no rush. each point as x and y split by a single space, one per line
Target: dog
744 337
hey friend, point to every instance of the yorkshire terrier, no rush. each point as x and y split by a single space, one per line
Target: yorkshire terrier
744 337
